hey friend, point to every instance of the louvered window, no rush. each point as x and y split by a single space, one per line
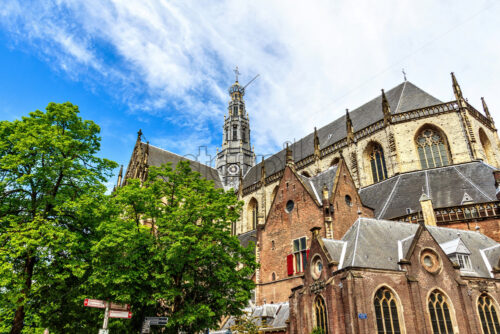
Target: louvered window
439 312
386 312
488 315
432 149
321 315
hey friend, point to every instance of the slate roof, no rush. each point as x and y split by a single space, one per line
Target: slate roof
158 156
247 237
380 244
277 316
444 185
314 184
404 97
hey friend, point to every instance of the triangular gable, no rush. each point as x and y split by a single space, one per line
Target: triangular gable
455 246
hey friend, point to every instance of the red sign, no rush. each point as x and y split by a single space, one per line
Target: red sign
119 307
120 314
94 303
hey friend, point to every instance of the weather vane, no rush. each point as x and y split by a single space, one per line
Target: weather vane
404 73
237 73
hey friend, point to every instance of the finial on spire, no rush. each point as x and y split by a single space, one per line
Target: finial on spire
236 72
404 74
120 176
349 129
289 156
456 89
386 109
485 108
139 135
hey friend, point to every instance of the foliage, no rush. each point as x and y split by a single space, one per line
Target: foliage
317 330
168 250
245 324
50 192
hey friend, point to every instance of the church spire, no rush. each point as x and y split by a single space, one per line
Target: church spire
349 128
386 108
236 153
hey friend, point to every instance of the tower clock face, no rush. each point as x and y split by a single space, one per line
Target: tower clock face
233 169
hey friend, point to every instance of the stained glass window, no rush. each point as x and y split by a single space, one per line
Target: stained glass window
386 312
432 149
488 315
439 312
321 319
377 161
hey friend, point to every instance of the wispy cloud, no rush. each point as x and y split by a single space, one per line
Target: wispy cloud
174 59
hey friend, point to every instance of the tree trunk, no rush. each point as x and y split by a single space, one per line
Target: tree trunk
18 323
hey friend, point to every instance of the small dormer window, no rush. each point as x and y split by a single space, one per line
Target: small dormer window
464 261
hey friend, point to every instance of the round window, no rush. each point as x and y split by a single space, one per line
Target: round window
430 260
317 267
289 206
348 200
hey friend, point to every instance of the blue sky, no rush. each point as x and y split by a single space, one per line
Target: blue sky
165 66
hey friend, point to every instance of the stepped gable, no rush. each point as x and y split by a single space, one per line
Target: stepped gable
158 157
381 244
402 98
444 185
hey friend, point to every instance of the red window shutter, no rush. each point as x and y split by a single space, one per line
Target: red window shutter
307 255
289 263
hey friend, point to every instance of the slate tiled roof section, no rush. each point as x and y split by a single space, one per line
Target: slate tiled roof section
404 97
367 248
444 185
277 315
158 157
247 237
314 184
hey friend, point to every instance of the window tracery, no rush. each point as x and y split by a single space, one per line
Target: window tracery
386 312
377 163
320 311
439 312
488 315
432 149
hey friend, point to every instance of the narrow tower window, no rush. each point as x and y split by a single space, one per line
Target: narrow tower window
235 110
235 132
243 134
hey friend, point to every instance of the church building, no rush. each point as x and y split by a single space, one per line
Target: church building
401 195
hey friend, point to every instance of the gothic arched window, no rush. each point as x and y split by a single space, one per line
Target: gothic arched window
320 312
386 312
253 212
486 144
488 315
439 312
377 162
432 149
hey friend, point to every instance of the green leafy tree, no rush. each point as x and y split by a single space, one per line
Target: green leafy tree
50 191
169 251
246 324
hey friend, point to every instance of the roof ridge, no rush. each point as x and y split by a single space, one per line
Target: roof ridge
389 198
400 97
180 156
473 184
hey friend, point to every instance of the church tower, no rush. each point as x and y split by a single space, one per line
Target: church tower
236 155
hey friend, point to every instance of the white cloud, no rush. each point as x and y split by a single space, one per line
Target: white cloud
174 59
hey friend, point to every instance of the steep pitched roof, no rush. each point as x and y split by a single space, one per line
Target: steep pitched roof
444 185
314 184
404 97
277 315
366 248
158 157
247 237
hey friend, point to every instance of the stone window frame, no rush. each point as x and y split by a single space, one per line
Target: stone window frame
494 306
451 312
441 145
399 308
375 157
323 317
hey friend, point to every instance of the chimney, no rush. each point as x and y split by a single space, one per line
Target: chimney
427 210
